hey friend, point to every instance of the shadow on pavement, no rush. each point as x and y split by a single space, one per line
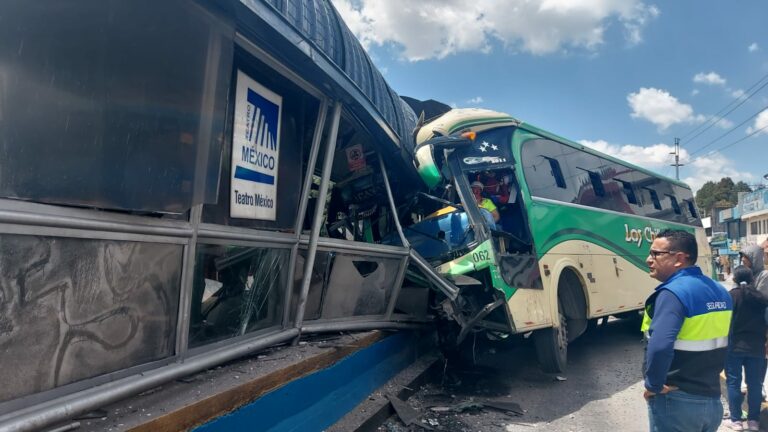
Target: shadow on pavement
602 364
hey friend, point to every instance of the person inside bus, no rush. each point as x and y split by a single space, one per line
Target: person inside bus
496 189
487 207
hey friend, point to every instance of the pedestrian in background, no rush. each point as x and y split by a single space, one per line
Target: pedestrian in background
725 264
752 257
746 351
687 319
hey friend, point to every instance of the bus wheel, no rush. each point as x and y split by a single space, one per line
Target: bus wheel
552 346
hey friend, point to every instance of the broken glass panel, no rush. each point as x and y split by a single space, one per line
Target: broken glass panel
237 290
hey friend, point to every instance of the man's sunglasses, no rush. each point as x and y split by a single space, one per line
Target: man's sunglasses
655 253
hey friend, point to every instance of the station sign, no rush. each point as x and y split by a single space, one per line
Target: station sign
255 150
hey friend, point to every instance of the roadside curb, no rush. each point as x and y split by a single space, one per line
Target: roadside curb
375 409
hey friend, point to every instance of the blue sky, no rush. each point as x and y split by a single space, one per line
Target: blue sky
623 76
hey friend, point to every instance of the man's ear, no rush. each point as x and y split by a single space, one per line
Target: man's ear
681 259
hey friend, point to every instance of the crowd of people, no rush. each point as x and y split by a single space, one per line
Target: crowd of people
695 328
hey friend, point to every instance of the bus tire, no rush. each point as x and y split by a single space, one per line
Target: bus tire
552 346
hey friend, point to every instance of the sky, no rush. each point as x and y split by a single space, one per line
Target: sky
625 77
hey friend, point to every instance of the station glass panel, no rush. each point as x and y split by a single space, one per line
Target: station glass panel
72 309
112 105
236 290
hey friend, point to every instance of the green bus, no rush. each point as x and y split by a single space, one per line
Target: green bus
563 241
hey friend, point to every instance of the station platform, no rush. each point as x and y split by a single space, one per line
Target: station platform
323 383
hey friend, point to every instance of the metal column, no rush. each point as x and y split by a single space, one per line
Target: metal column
318 216
305 191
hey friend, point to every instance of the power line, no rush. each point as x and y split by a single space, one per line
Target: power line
739 98
731 144
731 130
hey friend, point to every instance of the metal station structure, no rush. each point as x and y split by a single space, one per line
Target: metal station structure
137 244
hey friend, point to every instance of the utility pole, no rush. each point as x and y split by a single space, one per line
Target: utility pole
677 163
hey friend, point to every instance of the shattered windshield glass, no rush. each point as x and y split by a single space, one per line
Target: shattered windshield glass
441 233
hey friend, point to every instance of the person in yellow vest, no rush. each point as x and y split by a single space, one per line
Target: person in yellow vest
485 203
687 319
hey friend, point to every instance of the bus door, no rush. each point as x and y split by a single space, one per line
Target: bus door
514 270
489 164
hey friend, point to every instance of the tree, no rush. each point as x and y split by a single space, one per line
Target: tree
740 187
724 193
705 197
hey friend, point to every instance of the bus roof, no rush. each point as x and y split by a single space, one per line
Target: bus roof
460 118
547 134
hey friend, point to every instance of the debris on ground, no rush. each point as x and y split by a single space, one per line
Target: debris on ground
502 404
404 411
469 405
446 412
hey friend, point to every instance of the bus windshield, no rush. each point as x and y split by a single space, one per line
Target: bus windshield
441 234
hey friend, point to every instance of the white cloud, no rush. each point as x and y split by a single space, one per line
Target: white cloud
657 158
754 47
359 24
738 93
713 167
710 78
475 100
724 123
695 92
653 157
760 124
439 28
661 108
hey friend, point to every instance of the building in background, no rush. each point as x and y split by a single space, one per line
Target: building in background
755 215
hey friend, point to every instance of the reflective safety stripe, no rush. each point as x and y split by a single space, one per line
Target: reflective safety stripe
701 345
646 324
706 326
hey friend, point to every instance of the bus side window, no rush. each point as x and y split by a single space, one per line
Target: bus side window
692 208
557 172
654 198
675 205
597 183
629 191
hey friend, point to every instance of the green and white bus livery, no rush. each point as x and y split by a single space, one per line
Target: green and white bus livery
573 231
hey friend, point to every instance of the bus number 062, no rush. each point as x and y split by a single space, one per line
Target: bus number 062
480 256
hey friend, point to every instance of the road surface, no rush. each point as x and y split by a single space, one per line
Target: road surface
601 390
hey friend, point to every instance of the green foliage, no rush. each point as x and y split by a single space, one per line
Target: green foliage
722 194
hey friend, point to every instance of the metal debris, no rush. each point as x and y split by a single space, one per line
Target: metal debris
502 404
407 414
469 405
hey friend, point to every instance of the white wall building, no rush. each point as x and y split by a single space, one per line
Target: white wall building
707 224
755 215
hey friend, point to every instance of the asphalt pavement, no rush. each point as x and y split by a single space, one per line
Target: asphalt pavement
601 391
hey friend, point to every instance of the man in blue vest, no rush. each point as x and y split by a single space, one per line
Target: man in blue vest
686 322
